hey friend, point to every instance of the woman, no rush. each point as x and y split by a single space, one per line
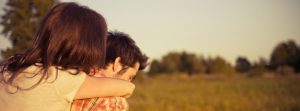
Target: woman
48 77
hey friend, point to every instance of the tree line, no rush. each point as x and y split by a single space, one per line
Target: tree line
21 19
284 59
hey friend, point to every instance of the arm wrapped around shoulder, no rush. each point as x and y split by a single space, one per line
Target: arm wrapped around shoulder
104 87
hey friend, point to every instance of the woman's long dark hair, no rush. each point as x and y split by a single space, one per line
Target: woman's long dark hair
69 36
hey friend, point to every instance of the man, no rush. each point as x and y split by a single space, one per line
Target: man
123 60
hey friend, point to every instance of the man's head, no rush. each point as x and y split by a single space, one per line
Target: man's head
123 57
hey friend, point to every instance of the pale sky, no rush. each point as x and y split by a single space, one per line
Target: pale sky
228 28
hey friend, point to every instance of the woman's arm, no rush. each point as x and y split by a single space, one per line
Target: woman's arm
103 87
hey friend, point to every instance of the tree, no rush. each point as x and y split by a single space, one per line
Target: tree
155 67
171 62
242 64
191 64
286 54
20 22
219 66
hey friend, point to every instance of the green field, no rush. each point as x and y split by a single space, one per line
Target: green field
216 94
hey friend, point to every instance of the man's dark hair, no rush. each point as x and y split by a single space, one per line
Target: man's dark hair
120 44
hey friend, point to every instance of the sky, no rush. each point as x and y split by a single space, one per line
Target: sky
226 28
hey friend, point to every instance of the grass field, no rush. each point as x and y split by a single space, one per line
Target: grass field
216 94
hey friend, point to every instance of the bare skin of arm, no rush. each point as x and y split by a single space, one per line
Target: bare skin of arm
103 87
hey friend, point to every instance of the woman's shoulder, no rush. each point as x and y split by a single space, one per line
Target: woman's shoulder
52 70
52 76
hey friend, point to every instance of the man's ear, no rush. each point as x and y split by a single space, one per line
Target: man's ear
117 66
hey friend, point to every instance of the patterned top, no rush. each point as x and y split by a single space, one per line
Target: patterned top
101 104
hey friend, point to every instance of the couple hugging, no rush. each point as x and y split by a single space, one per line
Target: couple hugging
74 64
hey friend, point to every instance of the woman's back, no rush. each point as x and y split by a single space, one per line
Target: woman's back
54 94
70 36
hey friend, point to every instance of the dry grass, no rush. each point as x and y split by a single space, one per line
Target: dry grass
179 93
